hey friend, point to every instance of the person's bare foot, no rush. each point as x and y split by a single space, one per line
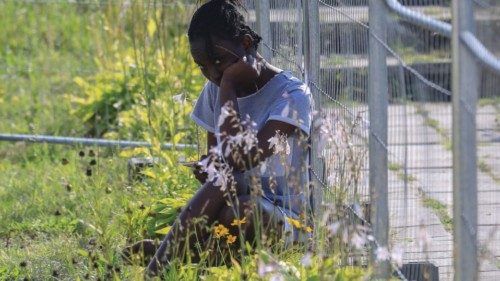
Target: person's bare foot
144 250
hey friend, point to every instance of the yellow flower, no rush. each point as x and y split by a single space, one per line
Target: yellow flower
307 229
230 239
294 222
237 222
299 225
220 231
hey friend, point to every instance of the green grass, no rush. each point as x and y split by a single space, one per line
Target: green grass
440 210
485 168
66 216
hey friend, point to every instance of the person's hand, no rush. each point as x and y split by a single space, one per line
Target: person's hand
246 69
198 172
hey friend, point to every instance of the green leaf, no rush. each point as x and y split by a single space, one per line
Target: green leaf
163 231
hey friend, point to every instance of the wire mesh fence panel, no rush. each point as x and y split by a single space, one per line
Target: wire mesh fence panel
487 25
418 66
419 139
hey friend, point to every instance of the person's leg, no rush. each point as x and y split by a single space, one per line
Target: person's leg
145 248
207 202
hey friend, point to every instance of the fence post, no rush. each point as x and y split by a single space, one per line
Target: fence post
378 103
465 88
311 50
263 24
311 41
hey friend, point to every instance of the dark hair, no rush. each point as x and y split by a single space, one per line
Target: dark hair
222 19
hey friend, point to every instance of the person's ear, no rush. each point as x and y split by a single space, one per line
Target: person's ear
248 43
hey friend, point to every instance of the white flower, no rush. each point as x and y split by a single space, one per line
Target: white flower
382 254
225 112
264 269
221 180
333 228
273 142
178 98
250 140
358 240
211 170
277 277
263 167
423 237
306 259
279 143
397 256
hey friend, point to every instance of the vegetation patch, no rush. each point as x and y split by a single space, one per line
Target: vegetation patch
440 210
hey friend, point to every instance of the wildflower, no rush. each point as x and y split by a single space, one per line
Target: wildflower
382 254
397 256
263 269
306 260
263 167
307 229
237 222
358 240
279 143
294 222
230 239
333 228
178 98
225 112
220 231
221 180
423 237
250 139
277 277
273 142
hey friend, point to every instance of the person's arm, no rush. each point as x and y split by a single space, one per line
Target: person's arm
231 125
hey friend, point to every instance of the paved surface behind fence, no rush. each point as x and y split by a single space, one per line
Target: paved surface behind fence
420 207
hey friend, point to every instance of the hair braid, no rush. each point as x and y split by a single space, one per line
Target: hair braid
221 19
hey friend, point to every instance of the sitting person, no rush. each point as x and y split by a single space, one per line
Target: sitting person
258 120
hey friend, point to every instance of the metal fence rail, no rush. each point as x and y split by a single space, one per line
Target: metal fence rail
89 141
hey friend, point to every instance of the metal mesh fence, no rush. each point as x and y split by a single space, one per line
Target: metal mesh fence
419 121
419 146
487 23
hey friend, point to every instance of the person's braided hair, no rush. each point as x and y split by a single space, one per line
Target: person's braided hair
220 19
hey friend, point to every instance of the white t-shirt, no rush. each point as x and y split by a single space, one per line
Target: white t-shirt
286 99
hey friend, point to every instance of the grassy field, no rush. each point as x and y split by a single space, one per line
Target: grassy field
118 70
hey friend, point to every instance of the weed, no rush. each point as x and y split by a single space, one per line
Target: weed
440 210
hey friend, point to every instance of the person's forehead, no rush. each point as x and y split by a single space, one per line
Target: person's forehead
199 46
